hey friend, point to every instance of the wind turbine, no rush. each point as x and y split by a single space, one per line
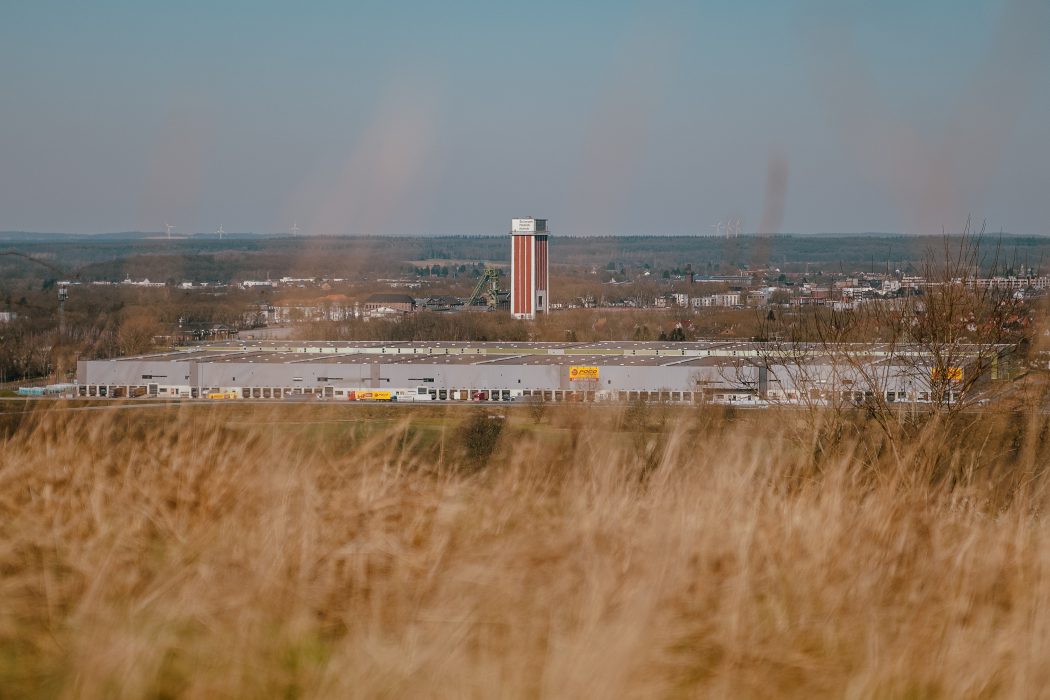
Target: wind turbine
718 228
295 228
220 232
169 228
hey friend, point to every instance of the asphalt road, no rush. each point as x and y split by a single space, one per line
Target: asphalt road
134 404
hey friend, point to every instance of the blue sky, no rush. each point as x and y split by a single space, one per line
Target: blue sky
607 117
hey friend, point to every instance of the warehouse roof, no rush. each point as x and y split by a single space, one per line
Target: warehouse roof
614 353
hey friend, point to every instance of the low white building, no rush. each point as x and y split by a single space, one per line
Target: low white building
142 283
1012 282
725 299
728 299
383 312
305 313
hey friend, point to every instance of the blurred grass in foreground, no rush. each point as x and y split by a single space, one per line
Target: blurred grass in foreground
301 551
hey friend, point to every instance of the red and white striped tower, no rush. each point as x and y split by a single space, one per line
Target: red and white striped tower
528 267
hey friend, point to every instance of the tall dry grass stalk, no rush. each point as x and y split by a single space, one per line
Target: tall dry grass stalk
231 552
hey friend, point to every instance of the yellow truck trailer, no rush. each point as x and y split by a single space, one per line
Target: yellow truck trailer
379 395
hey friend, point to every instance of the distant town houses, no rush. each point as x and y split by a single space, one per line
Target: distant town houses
334 307
259 315
339 307
858 293
401 283
307 313
8 316
745 280
142 283
201 285
441 303
189 332
298 282
630 289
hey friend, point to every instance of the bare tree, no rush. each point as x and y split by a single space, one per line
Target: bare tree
932 347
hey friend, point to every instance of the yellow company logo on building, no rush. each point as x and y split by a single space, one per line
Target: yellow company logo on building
583 373
952 374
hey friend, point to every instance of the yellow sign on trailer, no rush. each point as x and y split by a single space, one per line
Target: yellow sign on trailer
370 396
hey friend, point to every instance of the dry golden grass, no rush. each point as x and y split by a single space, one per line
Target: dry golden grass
210 552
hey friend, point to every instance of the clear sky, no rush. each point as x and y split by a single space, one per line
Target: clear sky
451 117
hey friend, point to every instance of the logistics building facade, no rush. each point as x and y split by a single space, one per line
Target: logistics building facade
720 371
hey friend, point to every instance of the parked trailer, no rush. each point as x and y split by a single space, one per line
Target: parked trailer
49 390
404 395
369 395
420 393
223 395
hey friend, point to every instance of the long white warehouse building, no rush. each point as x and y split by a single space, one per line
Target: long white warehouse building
692 371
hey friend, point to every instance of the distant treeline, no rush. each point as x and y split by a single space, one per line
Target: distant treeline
203 259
